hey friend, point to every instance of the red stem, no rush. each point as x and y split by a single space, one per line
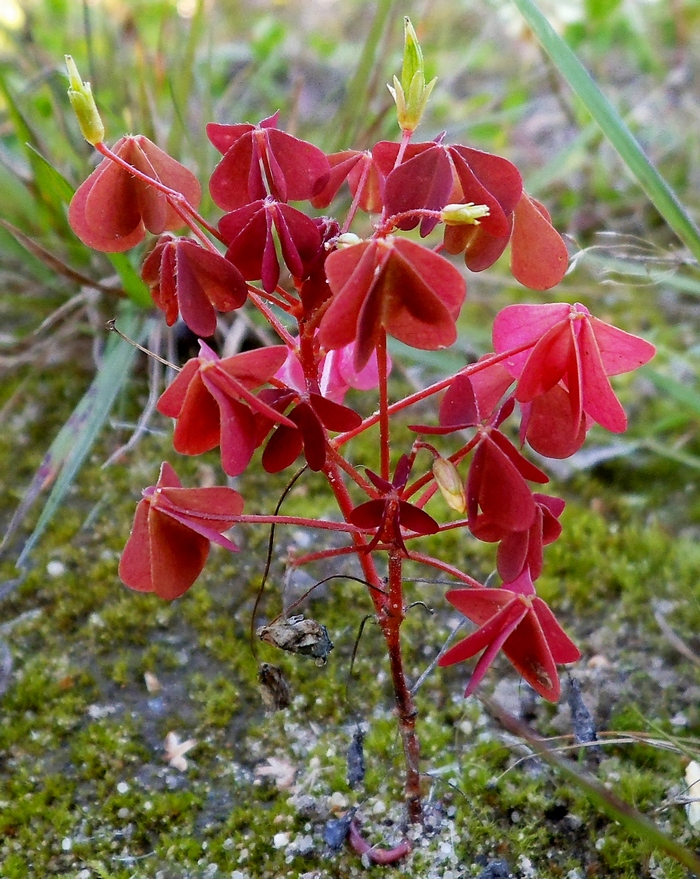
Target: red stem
390 623
254 519
342 496
358 194
445 567
298 561
384 428
375 855
346 466
270 317
429 391
406 136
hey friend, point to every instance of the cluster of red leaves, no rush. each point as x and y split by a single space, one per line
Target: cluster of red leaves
112 210
563 385
346 295
516 620
433 175
390 513
561 368
172 532
395 285
211 400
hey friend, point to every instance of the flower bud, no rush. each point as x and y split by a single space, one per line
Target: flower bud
84 107
450 484
411 93
347 239
464 214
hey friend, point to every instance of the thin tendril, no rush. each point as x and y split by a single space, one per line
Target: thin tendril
268 561
112 327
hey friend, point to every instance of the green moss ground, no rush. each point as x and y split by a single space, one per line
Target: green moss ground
84 787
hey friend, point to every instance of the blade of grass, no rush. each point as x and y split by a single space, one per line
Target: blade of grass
52 262
683 458
657 189
350 116
645 830
182 83
681 393
41 184
133 286
76 438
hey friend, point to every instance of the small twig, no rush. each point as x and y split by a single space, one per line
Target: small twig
361 629
675 640
149 408
112 327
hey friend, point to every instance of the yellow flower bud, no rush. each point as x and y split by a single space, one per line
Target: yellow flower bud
84 107
347 239
450 484
464 214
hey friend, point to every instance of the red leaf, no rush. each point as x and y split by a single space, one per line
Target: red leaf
198 427
313 436
598 398
458 408
493 627
551 425
549 362
481 250
496 486
529 652
421 182
563 648
135 562
368 515
170 537
538 255
178 555
499 176
112 209
294 169
341 164
413 293
496 222
282 449
619 351
334 416
415 519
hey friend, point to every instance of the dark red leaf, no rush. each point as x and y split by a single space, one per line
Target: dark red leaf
415 519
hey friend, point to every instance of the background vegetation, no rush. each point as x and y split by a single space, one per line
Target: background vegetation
84 787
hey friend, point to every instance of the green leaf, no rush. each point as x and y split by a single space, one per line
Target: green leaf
133 286
657 189
47 206
681 393
56 182
360 87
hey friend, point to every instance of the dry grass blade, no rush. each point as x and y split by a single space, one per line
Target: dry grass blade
52 261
